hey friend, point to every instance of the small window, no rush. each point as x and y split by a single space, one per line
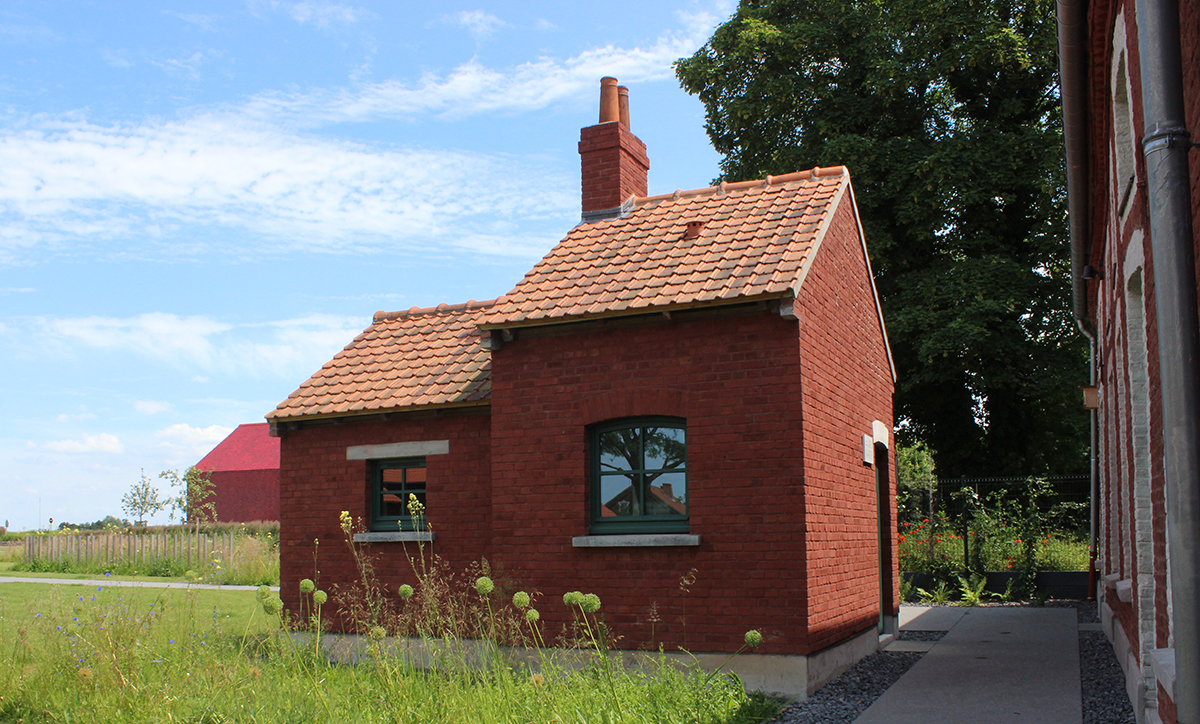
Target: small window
392 482
639 476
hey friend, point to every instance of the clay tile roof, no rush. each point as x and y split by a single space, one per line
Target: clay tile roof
418 358
755 240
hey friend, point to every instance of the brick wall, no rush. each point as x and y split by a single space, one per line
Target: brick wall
847 384
318 482
738 381
614 166
246 495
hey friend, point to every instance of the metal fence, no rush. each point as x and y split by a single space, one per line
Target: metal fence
946 496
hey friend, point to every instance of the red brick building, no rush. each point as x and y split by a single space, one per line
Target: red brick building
244 469
693 385
1131 95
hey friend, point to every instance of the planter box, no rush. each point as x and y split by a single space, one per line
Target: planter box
1055 584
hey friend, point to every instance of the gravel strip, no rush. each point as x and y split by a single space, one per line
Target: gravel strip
1103 682
841 701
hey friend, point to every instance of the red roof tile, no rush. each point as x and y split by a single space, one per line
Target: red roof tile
249 447
418 358
756 240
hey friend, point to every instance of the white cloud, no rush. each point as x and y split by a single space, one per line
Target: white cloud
198 440
205 23
188 67
478 23
17 290
281 348
199 378
252 177
320 14
156 334
73 184
152 407
472 88
102 442
72 417
116 58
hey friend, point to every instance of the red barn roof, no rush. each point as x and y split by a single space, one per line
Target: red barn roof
249 447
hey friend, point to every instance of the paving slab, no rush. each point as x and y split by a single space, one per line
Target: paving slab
128 584
910 646
930 618
994 666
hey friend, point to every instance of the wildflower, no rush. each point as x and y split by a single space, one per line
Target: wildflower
376 633
85 673
590 603
753 639
572 598
307 586
263 593
537 680
273 605
521 599
320 597
406 591
345 520
532 615
484 585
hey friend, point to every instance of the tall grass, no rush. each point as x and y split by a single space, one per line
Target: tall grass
440 651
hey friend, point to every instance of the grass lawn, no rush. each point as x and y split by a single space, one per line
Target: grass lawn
224 614
6 569
100 653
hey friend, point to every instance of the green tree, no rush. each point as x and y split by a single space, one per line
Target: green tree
193 495
946 113
142 500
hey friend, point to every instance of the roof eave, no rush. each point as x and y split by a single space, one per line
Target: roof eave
641 311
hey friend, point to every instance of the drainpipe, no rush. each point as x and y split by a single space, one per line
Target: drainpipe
1072 73
1165 148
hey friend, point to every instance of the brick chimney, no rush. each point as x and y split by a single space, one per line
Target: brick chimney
614 160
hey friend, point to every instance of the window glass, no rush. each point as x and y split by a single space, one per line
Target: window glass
639 476
392 484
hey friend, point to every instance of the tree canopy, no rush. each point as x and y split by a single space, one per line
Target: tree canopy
946 114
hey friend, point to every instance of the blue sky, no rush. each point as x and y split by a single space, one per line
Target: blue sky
198 208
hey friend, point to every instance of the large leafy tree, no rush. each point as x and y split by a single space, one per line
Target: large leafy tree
946 114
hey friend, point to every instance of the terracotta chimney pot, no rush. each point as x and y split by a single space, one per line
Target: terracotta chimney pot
610 105
623 103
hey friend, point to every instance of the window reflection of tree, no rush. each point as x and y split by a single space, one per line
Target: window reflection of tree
653 452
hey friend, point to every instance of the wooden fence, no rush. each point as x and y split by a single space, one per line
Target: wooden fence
142 548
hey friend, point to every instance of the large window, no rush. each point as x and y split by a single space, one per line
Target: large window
639 476
392 481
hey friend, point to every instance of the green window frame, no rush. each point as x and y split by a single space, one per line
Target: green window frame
639 476
392 481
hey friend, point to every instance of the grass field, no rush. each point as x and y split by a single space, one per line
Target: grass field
101 653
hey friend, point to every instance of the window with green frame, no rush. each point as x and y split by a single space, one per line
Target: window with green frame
639 476
392 481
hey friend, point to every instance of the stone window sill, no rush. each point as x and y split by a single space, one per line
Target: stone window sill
396 537
640 540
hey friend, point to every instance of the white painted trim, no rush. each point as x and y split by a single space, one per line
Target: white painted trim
1162 662
420 448
640 540
398 536
881 433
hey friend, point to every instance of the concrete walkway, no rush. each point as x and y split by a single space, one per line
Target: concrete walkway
129 584
995 665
